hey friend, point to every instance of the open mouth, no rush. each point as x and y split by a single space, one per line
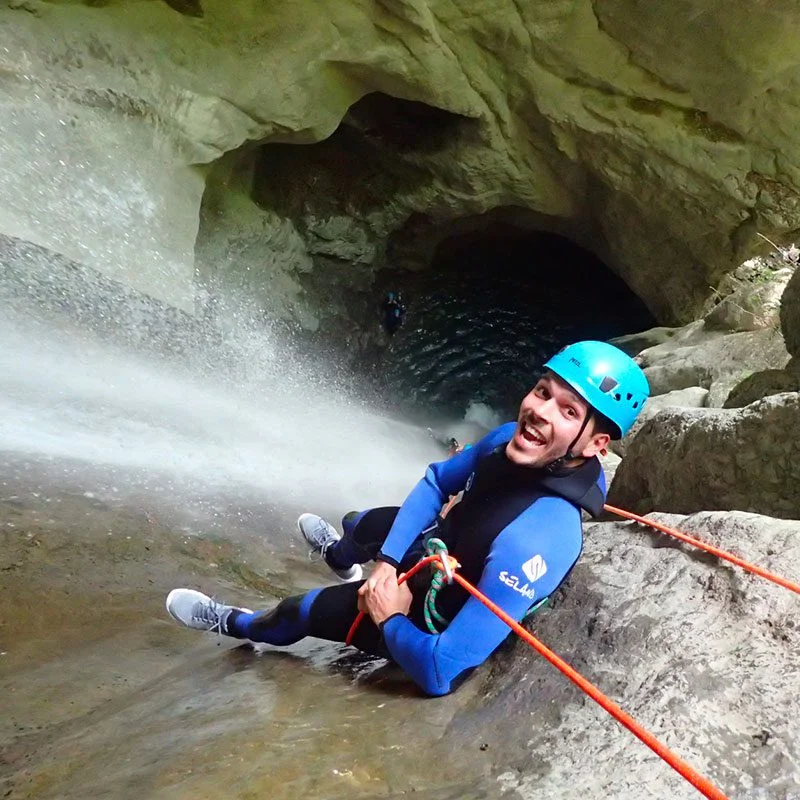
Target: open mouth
531 435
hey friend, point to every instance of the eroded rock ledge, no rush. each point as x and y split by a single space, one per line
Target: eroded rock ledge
662 141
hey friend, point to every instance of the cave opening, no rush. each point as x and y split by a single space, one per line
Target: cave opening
489 297
489 309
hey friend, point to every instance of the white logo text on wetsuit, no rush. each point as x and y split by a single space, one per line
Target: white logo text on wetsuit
533 569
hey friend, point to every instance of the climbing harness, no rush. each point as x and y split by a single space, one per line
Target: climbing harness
447 565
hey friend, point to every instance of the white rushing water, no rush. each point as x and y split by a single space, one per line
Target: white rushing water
278 430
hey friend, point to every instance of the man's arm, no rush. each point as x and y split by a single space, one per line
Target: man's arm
550 529
442 479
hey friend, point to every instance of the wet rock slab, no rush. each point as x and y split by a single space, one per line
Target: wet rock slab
704 655
104 696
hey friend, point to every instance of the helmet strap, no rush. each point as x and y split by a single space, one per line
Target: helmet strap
559 462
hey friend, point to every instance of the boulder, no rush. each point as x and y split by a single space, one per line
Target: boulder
790 314
635 343
703 654
691 397
714 360
708 459
762 384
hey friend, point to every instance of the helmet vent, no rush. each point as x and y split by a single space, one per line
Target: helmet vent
618 396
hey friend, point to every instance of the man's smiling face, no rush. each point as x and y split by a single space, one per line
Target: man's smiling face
550 417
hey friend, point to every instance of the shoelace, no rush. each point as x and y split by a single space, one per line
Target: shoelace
325 540
210 613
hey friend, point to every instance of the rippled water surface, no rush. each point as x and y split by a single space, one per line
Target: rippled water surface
492 309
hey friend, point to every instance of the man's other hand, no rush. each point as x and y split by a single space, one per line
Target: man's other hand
381 570
380 596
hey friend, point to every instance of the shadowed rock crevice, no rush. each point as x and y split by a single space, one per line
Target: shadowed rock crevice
377 153
189 8
404 126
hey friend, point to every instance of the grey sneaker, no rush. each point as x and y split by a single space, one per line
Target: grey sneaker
199 611
321 535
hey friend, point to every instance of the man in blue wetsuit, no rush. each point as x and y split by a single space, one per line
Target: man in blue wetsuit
516 531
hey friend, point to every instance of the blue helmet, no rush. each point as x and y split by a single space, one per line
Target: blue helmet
610 381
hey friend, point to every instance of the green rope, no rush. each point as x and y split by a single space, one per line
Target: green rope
434 547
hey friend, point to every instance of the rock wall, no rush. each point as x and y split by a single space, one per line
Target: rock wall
704 655
737 452
661 140
685 460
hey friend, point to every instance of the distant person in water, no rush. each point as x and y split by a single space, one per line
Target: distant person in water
393 312
516 532
449 443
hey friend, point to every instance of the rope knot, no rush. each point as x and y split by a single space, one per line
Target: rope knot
446 564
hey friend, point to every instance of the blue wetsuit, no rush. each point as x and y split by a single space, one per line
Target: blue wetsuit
516 532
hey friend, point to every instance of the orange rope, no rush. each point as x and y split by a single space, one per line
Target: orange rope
702 784
740 562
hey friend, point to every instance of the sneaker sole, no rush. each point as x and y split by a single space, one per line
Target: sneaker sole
359 575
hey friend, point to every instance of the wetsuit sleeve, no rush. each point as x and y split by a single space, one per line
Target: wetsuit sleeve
442 479
527 562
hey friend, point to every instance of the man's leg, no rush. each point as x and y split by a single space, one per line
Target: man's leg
364 535
332 614
323 613
285 624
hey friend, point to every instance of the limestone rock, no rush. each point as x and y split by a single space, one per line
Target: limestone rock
762 384
715 361
751 297
687 460
790 314
635 343
249 254
610 461
665 158
690 646
691 397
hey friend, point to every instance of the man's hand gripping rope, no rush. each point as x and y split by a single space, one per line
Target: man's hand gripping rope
385 593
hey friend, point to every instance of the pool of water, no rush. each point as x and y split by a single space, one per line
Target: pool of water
490 310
